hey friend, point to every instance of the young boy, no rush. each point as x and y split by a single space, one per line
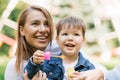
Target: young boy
70 37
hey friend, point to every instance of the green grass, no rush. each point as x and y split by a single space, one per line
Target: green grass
3 62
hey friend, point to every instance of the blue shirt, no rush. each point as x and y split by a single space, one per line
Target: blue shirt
54 68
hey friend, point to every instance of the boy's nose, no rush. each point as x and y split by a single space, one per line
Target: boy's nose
70 37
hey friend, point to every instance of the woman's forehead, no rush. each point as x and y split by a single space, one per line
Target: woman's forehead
35 15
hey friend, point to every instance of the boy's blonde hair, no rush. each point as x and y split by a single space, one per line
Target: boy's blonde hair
69 22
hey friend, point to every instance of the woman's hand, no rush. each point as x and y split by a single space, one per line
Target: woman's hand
38 57
38 76
88 75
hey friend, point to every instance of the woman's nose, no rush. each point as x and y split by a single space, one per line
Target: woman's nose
42 28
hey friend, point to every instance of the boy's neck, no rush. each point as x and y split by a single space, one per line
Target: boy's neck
69 60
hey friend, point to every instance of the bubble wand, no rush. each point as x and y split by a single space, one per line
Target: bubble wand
47 56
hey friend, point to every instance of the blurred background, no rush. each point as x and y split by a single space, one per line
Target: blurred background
101 16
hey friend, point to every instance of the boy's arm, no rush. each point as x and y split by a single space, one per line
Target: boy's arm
31 68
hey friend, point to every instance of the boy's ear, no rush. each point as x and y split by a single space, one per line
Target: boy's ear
84 39
22 30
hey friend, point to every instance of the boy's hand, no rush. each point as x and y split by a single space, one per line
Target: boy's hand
38 57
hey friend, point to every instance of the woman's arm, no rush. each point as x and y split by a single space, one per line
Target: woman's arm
113 74
88 75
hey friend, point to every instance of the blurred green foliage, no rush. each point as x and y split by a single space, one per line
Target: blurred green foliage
3 5
4 49
6 30
80 8
15 13
3 62
113 43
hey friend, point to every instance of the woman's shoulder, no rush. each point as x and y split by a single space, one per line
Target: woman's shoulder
11 63
10 71
12 60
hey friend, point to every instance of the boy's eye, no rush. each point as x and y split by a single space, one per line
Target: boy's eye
76 34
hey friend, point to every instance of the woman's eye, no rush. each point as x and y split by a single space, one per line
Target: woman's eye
64 34
34 24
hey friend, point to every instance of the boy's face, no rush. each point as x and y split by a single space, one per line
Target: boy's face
70 41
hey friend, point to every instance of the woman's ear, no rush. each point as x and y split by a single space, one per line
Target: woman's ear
22 30
84 39
57 39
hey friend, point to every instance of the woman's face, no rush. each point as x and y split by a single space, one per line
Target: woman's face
36 30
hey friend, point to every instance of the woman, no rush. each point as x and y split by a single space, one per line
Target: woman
35 31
